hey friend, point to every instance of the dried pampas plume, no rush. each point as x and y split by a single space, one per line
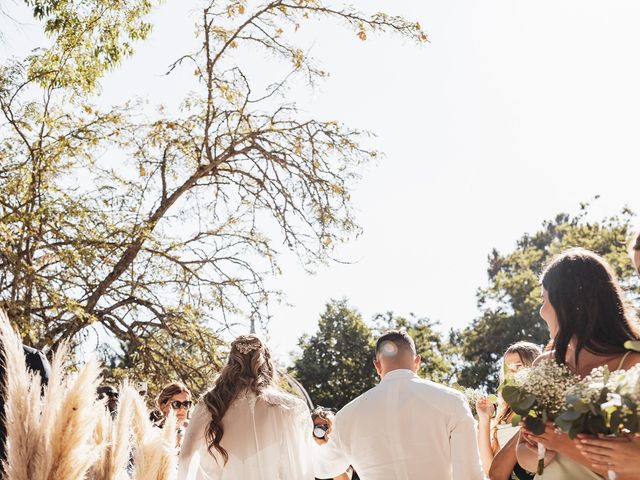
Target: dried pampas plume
49 437
22 407
73 429
66 434
155 455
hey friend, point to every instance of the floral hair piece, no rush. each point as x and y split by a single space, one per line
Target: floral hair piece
247 344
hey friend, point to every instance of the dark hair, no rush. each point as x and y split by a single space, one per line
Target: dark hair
589 304
169 391
249 368
400 338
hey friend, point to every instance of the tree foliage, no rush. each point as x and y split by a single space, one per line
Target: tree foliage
336 362
509 304
162 227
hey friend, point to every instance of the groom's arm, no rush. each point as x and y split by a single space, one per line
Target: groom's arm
465 458
330 459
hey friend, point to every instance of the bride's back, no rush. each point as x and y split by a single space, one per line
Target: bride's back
264 434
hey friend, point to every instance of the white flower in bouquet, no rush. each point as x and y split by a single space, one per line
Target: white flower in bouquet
589 389
603 403
626 382
548 382
539 394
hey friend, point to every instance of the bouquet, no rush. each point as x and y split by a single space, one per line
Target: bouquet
603 403
538 394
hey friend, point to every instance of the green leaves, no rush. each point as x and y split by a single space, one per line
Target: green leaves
89 39
519 400
336 363
631 345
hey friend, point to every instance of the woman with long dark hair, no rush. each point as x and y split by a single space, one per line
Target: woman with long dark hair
589 322
620 454
246 426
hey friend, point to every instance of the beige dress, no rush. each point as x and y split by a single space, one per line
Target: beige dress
563 468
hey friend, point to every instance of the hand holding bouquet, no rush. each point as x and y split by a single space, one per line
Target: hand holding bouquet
538 394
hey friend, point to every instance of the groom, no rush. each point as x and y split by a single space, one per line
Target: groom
405 428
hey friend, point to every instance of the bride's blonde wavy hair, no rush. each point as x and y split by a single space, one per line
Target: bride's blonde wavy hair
249 368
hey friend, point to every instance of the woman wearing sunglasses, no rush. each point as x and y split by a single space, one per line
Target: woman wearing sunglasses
176 397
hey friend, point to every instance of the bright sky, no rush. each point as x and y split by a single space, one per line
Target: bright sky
514 112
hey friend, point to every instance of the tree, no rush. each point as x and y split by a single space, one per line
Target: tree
509 304
438 354
166 233
336 363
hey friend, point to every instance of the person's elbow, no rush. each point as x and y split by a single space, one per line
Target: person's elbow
498 472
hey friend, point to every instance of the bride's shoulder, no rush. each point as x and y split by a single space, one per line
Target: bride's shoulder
277 397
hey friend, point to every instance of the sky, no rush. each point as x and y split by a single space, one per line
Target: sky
514 112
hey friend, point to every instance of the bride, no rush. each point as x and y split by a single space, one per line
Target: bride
246 426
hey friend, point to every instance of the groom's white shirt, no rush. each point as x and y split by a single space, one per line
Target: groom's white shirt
405 428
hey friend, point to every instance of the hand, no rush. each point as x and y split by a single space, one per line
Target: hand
327 422
486 410
620 454
552 438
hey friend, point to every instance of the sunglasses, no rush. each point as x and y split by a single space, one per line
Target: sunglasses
177 404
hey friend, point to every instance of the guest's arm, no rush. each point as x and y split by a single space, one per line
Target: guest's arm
329 459
485 411
505 460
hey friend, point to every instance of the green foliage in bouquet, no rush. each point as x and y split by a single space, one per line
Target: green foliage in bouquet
537 394
603 403
632 345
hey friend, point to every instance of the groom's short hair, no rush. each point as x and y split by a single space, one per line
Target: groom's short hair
400 338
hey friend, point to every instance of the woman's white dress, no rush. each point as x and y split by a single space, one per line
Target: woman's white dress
267 437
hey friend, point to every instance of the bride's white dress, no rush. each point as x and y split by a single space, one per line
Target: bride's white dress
267 437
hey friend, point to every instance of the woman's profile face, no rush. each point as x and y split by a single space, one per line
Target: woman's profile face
636 260
548 314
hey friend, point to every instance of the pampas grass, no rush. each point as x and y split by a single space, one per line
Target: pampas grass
22 407
155 455
49 436
102 439
66 434
51 401
115 436
73 429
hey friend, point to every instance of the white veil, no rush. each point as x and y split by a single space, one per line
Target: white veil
267 437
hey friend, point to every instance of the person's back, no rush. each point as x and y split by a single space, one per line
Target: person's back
245 427
266 437
401 429
405 428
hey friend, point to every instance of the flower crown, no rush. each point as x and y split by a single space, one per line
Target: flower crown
247 345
